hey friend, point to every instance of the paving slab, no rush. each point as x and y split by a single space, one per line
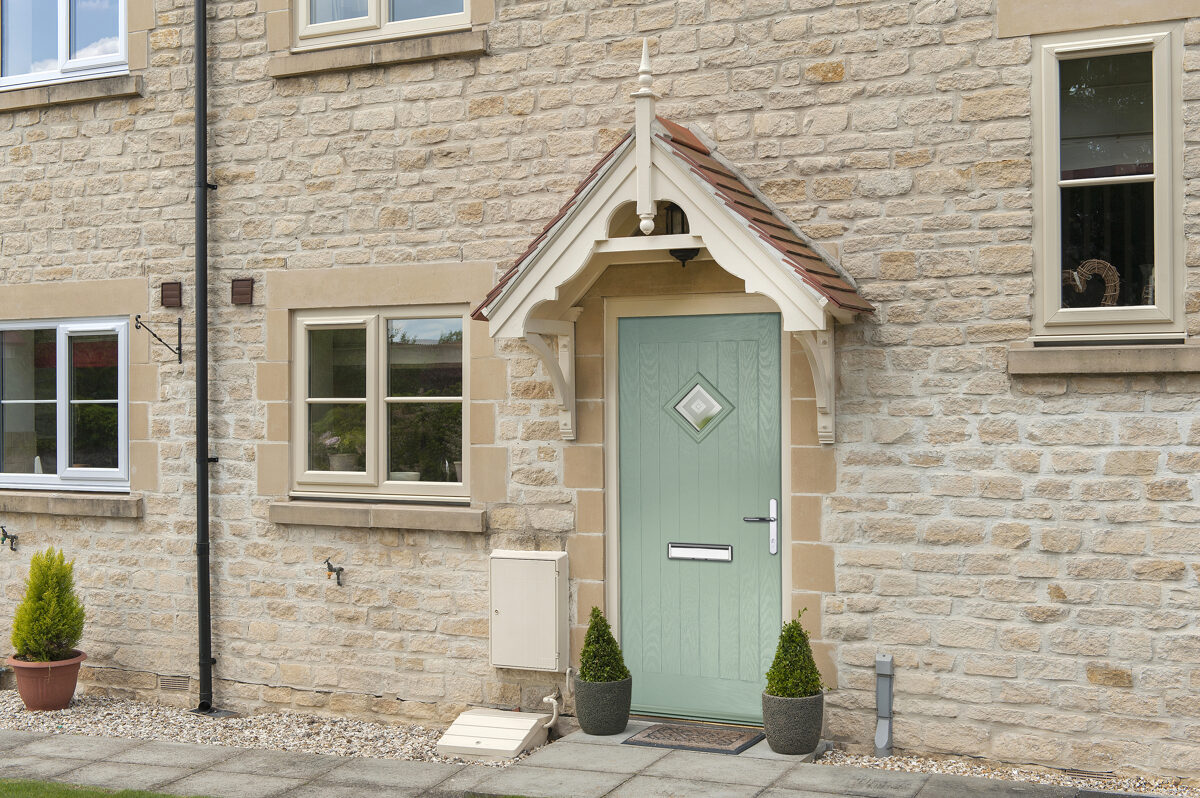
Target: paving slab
346 791
762 750
607 758
658 787
462 782
389 773
778 792
288 764
633 728
39 767
231 785
11 738
184 755
549 783
76 746
125 775
853 781
947 786
724 768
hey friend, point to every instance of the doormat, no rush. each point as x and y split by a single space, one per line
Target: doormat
688 737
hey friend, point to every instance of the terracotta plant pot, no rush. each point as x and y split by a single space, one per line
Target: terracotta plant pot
46 685
603 707
793 725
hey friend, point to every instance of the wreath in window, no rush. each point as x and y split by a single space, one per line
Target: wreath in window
1077 280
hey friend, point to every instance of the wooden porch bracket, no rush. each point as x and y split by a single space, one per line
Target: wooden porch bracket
818 348
553 341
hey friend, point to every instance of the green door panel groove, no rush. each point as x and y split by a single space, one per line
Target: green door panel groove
698 636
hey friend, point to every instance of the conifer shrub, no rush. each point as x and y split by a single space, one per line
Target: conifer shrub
601 660
48 624
793 673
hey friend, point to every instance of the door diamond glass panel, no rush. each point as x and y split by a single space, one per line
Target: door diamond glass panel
699 406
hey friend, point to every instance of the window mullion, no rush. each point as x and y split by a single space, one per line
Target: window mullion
62 446
64 33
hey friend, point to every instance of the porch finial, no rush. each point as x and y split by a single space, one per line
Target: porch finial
645 78
644 99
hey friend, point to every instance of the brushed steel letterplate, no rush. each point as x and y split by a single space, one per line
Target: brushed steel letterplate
700 551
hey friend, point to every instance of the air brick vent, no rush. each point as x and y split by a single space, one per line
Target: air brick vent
173 683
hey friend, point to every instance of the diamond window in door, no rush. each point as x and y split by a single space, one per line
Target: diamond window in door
698 407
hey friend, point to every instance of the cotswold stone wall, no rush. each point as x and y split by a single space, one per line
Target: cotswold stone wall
1025 547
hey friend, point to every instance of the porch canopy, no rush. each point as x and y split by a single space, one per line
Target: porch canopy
615 216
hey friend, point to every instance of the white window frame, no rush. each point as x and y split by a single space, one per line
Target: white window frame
372 482
67 477
373 27
72 69
1165 318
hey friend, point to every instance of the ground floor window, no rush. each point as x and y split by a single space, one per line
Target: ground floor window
379 402
64 404
1106 127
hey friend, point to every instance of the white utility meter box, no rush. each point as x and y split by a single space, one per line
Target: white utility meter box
529 610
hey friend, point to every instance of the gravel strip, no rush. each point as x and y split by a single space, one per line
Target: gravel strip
279 731
995 770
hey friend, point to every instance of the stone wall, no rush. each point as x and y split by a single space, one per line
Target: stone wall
1022 545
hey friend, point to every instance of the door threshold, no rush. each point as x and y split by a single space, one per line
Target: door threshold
691 721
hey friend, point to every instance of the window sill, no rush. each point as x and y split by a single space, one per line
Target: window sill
80 504
398 51
77 91
1024 359
426 517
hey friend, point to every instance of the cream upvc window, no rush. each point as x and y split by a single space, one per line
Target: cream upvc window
1107 159
379 403
64 404
329 22
54 41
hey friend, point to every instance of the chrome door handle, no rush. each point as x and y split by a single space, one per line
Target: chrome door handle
773 529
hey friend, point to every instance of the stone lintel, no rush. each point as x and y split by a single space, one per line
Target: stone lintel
1026 359
422 48
426 517
95 505
74 92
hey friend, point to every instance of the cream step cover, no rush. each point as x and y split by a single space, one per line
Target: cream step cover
493 734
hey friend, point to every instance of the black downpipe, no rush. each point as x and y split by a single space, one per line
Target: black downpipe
203 596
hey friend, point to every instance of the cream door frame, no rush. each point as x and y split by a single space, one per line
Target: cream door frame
616 308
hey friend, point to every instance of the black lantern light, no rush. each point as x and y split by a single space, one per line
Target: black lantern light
676 223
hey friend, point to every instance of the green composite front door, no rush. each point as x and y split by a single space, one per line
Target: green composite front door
699 415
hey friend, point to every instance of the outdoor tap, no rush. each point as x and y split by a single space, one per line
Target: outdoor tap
11 540
333 570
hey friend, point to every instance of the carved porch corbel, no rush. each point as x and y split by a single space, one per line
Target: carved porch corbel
818 348
554 344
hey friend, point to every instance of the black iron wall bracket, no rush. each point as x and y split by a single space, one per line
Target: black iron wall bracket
176 350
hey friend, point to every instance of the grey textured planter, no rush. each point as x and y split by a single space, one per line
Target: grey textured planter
603 707
793 725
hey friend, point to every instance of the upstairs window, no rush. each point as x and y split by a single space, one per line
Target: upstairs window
379 406
324 22
1109 234
64 405
48 41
